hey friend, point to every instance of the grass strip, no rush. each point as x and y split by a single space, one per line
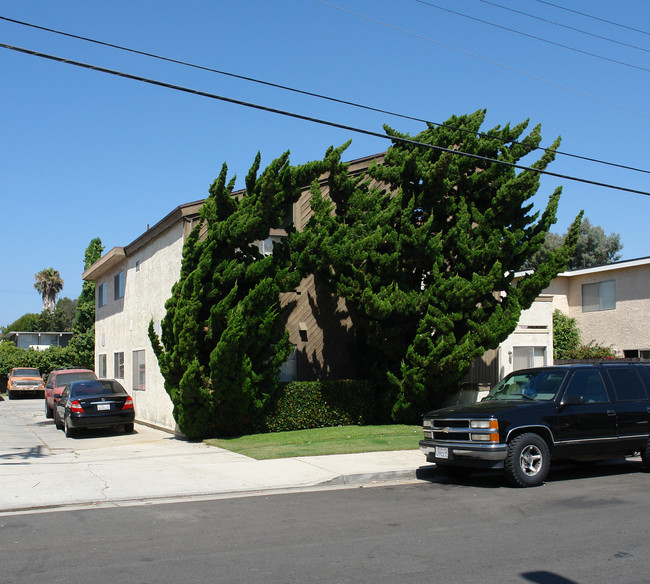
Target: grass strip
322 441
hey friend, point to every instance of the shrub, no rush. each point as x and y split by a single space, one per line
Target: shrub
319 404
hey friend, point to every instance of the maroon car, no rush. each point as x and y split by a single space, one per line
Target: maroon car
57 380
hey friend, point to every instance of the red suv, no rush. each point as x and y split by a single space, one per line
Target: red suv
56 381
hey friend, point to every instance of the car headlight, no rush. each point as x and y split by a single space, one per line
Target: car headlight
427 424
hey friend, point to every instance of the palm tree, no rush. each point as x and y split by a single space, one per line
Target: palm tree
49 283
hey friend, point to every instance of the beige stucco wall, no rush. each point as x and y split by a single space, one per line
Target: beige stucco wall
625 327
535 329
121 326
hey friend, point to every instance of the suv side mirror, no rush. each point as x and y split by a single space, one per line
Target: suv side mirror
573 400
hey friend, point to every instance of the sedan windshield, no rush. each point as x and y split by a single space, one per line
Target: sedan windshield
540 385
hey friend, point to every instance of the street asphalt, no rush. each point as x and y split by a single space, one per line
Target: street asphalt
42 469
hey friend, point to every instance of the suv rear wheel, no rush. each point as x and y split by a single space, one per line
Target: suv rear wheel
645 456
527 460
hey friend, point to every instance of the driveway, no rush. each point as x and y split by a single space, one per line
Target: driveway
40 467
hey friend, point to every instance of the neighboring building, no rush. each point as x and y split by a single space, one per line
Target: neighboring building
610 303
40 341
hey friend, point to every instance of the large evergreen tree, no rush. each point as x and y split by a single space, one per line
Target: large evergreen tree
424 250
82 344
222 343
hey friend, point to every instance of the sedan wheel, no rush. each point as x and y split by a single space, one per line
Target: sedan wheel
69 431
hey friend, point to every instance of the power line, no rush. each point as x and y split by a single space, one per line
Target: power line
591 34
300 91
594 17
484 59
313 119
531 36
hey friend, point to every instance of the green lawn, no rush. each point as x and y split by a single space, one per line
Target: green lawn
320 441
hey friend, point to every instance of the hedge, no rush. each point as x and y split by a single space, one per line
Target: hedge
318 404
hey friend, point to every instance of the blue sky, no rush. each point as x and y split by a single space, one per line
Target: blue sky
84 154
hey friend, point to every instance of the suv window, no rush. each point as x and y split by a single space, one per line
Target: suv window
627 384
587 385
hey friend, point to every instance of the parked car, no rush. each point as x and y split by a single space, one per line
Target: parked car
57 380
101 403
24 380
570 412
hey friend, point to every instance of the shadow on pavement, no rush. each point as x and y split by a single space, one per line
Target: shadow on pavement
491 479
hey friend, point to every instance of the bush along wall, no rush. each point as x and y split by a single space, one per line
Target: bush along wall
319 404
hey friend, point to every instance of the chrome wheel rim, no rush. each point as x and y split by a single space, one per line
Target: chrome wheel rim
531 460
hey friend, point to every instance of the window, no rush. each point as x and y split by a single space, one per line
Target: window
627 384
101 294
118 365
599 296
288 370
118 286
101 365
524 357
587 385
139 371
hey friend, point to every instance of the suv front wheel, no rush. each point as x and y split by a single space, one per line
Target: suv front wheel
527 460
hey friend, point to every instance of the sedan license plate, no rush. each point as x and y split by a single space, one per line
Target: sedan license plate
442 452
101 407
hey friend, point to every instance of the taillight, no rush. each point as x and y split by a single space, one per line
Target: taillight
128 404
75 407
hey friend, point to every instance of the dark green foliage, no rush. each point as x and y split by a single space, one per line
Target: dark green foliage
567 344
222 343
46 361
426 260
82 344
61 319
566 337
303 405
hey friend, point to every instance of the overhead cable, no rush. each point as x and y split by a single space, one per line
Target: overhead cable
303 92
594 17
313 119
531 36
573 28
484 59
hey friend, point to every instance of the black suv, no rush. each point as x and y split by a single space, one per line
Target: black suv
533 416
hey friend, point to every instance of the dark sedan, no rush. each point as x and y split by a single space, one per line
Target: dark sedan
101 403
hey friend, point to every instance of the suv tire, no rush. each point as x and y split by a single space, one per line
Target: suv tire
645 456
527 460
48 411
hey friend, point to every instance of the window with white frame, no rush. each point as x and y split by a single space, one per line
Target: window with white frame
599 296
101 366
101 294
139 370
118 365
525 357
118 286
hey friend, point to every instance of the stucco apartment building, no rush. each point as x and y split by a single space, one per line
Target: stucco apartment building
611 305
134 282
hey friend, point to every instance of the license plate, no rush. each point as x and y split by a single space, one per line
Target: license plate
103 407
442 452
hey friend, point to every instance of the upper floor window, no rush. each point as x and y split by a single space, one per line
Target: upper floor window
118 285
599 296
101 294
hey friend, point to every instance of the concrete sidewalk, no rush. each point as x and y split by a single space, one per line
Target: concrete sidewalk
40 468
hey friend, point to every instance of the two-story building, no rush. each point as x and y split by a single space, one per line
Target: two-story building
134 282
